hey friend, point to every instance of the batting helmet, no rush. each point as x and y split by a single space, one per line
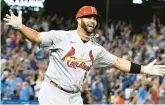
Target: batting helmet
86 11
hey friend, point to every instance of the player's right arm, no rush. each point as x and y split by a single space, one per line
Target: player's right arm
16 22
50 39
30 34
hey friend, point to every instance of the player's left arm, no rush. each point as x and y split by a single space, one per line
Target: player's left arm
130 67
104 58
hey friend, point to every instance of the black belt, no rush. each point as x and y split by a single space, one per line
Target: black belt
58 86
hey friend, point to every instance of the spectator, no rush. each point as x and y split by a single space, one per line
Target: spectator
7 93
26 91
97 80
143 94
132 100
128 92
162 94
154 92
97 94
120 98
13 81
38 85
15 96
87 97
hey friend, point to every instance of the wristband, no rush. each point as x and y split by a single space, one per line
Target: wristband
135 68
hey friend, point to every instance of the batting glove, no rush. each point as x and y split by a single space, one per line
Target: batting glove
153 69
14 21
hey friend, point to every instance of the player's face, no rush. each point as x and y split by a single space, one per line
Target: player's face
89 24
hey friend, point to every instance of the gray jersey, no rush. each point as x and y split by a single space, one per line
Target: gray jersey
70 58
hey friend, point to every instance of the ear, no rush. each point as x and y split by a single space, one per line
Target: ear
79 20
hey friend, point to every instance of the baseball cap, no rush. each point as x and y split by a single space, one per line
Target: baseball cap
87 11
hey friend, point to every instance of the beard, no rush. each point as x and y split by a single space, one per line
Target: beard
86 27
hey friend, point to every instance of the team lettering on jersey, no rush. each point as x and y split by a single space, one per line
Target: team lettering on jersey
74 62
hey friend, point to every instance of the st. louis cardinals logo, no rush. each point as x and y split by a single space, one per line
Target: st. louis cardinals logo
78 62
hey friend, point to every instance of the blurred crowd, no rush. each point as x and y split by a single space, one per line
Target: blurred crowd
24 63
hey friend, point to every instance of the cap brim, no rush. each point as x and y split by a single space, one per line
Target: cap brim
91 15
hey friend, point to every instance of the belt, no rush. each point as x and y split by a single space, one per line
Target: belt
58 86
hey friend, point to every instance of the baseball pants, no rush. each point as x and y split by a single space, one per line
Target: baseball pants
51 95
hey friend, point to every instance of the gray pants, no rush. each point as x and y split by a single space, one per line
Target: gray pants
50 95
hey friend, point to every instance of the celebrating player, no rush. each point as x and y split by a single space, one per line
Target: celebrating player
72 54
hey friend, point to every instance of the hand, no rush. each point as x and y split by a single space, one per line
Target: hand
153 69
14 21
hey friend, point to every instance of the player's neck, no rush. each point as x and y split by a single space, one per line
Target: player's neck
83 35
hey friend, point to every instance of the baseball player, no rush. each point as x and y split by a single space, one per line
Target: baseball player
72 54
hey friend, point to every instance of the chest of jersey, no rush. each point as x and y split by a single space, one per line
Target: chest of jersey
77 55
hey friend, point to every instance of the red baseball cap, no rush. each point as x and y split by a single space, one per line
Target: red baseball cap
87 11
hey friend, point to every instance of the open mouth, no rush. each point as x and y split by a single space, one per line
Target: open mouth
90 25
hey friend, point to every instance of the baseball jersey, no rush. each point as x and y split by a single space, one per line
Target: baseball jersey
70 58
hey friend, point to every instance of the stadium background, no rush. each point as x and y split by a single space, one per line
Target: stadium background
133 31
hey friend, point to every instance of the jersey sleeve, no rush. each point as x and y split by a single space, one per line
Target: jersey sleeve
50 38
104 58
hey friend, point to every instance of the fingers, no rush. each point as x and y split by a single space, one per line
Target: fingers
160 74
153 62
7 23
162 71
20 14
5 19
160 66
11 13
8 16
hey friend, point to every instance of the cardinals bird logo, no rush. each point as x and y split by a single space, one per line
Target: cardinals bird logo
78 62
91 56
69 54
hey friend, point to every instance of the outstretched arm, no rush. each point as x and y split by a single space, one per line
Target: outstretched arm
16 22
129 67
104 59
30 34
